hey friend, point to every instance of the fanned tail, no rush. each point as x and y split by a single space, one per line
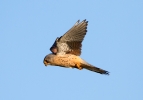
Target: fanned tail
94 69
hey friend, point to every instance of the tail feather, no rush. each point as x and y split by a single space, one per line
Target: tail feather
94 69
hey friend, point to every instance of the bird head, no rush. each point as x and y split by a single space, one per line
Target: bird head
47 59
46 63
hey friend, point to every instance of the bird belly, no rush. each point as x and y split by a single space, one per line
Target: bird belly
66 60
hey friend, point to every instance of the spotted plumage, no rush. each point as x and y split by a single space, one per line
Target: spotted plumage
66 50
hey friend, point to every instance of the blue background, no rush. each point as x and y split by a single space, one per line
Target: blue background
114 42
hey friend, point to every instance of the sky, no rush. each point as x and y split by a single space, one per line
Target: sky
114 42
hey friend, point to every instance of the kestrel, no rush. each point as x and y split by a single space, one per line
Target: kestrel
66 50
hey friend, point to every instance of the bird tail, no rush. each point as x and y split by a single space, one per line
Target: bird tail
94 69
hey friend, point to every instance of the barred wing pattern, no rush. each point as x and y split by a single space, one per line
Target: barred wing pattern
70 42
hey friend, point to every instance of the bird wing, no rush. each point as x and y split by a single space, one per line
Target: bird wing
53 48
71 41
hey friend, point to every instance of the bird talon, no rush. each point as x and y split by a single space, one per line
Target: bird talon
78 66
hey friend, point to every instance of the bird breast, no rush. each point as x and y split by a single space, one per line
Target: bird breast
66 60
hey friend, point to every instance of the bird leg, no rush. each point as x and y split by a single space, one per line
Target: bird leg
78 66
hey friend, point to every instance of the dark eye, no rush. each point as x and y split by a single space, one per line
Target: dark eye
45 61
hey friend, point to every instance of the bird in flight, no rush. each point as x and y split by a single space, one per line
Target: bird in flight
66 50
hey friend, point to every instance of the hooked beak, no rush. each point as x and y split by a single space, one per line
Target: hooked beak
46 63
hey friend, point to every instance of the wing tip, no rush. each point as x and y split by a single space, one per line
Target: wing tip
77 23
85 21
82 21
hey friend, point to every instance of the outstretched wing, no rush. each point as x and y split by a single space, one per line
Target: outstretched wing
71 41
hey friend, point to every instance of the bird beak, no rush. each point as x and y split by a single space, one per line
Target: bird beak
46 63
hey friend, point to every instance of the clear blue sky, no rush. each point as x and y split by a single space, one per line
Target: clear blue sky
114 42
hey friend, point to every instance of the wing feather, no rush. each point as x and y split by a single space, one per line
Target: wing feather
71 41
54 48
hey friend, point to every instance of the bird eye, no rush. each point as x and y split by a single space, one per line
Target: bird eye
45 62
